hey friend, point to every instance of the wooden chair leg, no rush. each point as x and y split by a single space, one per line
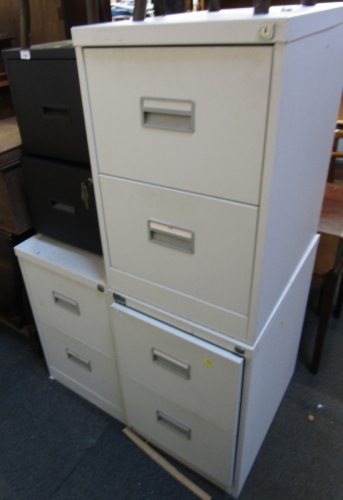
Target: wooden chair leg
328 293
139 10
159 7
105 11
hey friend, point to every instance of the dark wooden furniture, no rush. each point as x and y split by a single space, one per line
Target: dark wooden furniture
329 264
336 153
340 116
6 105
15 217
5 43
51 20
15 226
333 173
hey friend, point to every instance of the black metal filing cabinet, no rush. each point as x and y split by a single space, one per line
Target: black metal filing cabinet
46 95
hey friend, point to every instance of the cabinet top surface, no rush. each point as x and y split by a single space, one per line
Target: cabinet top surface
65 259
228 26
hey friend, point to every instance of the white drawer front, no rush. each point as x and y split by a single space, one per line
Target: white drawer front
199 444
194 374
81 363
73 308
198 246
145 103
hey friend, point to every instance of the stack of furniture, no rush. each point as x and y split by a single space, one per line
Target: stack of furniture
5 43
67 275
6 106
16 225
208 239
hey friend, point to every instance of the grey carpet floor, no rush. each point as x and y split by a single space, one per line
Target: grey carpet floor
56 446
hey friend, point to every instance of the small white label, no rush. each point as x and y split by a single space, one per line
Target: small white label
25 54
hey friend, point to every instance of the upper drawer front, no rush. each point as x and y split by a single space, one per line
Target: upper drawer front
195 374
199 246
191 118
47 100
75 309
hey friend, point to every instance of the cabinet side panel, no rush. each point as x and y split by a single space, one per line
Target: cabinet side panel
306 90
268 373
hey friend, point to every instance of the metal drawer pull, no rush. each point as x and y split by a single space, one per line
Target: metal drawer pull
168 114
175 365
171 236
174 424
66 303
80 360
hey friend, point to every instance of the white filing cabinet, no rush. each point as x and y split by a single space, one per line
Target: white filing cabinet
181 390
67 291
209 136
210 139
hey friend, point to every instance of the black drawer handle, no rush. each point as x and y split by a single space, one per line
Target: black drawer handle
63 207
57 112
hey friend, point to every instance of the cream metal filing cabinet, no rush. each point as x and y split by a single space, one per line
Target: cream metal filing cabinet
209 136
67 292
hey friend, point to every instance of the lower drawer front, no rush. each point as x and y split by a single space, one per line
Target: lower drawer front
195 374
69 306
195 245
54 191
81 363
197 443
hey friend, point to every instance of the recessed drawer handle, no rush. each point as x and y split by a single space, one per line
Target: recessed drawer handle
174 424
171 236
175 365
168 114
63 207
80 360
66 303
57 112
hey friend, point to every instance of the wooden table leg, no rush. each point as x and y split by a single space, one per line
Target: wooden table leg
328 293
